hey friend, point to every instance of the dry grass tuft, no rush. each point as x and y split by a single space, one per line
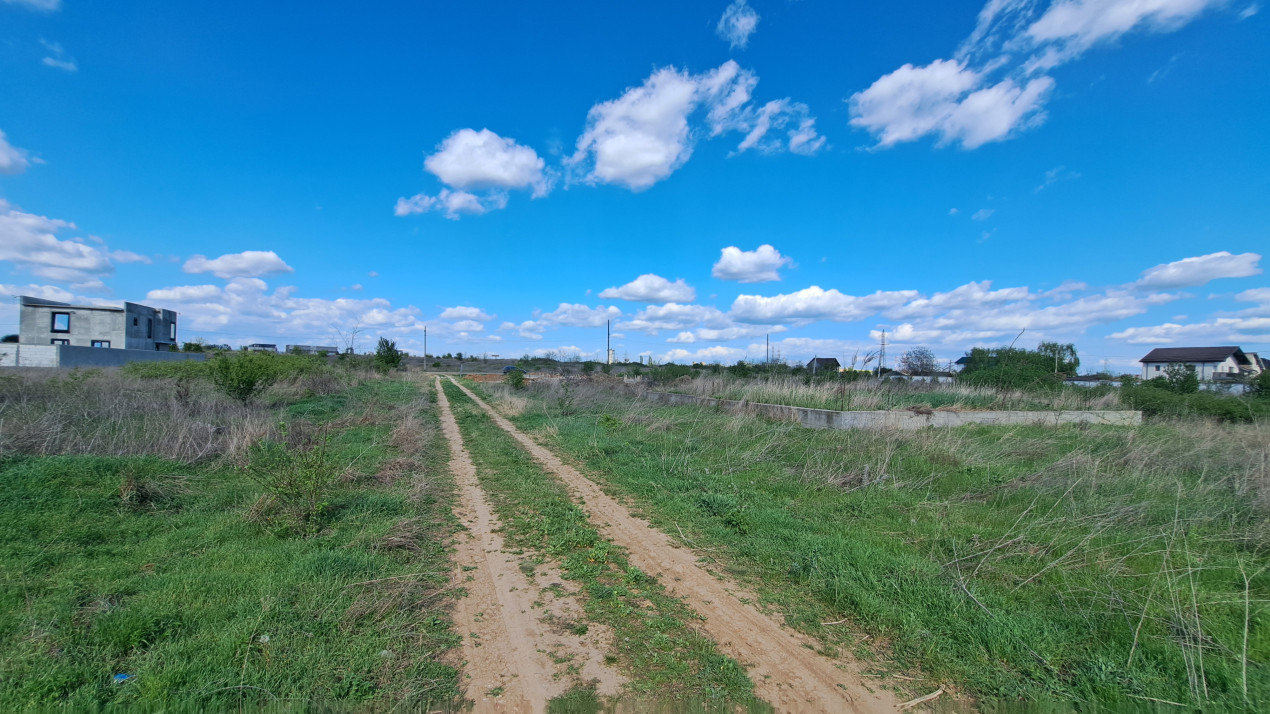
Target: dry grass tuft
393 470
405 535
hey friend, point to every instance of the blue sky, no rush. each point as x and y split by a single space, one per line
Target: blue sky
512 175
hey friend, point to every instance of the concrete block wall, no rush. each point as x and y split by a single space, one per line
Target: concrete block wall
829 419
19 355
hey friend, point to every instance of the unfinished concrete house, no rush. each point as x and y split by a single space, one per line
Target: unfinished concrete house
58 334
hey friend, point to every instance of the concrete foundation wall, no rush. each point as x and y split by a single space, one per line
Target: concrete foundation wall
828 419
62 356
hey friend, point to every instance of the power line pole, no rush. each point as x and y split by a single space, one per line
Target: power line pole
769 348
882 354
425 348
608 342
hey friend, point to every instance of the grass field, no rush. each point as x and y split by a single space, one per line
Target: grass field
158 576
1022 565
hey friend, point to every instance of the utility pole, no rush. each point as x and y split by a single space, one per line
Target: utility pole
608 342
768 358
882 354
425 348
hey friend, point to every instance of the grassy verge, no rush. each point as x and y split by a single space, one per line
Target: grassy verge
1024 564
655 642
143 582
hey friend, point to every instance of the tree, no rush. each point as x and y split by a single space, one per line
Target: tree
919 360
387 356
1181 378
1063 356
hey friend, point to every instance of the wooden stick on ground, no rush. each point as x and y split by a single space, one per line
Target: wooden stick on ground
920 700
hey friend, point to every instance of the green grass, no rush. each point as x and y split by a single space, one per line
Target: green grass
1020 564
148 568
655 642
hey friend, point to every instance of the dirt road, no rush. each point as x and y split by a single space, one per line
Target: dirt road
783 664
517 650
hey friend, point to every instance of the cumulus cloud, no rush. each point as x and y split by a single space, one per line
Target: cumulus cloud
247 264
982 214
675 316
1228 330
814 303
466 313
967 99
30 242
44 292
12 159
478 169
717 354
454 204
1199 270
761 265
566 315
185 293
738 23
651 288
645 135
470 159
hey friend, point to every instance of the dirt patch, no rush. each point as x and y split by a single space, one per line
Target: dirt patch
516 657
783 664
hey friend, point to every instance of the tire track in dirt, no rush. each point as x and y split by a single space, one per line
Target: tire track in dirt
514 660
783 664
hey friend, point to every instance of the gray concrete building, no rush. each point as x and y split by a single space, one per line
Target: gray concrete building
312 349
131 327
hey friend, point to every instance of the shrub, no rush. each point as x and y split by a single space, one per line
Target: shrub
387 356
244 375
1259 386
516 378
298 478
1155 401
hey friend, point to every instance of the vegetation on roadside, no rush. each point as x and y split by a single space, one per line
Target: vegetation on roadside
155 577
1102 565
655 641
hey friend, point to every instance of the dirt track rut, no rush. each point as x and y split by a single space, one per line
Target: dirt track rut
783 664
514 660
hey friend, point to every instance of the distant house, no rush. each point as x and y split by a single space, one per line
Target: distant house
312 349
130 327
1208 363
823 364
262 347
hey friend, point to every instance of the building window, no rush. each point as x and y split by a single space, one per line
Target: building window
61 322
101 343
1157 368
149 328
60 342
134 322
173 331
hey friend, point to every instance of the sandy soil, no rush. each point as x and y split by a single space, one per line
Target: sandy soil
783 664
518 647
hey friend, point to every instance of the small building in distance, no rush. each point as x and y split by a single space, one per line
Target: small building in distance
312 349
261 347
131 327
1208 363
823 364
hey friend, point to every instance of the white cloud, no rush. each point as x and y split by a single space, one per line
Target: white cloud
1249 11
1198 270
247 264
982 214
651 288
1070 27
58 59
814 303
738 23
645 135
44 292
466 313
1229 330
185 293
468 326
761 265
641 137
955 100
567 315
40 5
716 354
127 256
1055 175
470 159
12 159
969 296
30 242
452 203
674 316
